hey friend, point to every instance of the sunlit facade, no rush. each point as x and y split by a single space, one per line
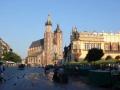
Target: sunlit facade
4 47
81 42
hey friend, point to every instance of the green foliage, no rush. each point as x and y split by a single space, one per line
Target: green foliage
55 57
11 56
94 54
65 52
117 57
108 57
76 63
105 62
99 62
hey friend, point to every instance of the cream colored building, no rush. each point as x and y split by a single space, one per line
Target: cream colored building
48 49
4 47
81 42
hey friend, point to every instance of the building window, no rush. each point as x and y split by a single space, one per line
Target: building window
107 46
94 45
89 46
85 46
99 45
74 46
114 46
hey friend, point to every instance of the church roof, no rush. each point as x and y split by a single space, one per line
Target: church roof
37 43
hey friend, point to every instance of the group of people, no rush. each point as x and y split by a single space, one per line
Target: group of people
59 75
2 69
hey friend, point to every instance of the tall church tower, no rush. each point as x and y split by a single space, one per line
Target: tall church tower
48 42
58 42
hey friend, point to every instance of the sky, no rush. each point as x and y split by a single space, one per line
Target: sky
23 21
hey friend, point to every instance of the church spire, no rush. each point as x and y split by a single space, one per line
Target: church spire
48 22
58 28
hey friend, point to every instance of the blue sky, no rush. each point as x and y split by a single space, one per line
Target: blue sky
22 21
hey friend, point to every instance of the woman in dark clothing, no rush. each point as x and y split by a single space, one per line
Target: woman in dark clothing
56 75
60 76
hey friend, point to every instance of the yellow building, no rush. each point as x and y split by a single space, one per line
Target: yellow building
48 49
81 42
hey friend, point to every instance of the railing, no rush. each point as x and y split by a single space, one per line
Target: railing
111 51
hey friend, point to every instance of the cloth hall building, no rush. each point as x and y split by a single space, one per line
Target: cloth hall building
81 42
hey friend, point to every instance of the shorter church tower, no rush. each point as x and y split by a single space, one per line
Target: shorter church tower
58 42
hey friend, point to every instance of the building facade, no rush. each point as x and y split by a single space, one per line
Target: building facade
4 47
81 42
48 49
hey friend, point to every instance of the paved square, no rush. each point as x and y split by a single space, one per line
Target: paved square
35 79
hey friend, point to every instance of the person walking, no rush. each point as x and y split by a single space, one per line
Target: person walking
2 69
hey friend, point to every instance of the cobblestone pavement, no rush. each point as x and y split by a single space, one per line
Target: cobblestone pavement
35 79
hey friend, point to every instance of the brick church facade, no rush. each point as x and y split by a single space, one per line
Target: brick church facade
47 50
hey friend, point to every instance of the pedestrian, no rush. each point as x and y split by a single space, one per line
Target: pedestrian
2 69
45 70
56 75
63 76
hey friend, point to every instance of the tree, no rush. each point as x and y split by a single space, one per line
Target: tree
94 54
108 57
55 58
11 56
117 57
65 52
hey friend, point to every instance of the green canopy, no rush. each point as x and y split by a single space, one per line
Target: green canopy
1 62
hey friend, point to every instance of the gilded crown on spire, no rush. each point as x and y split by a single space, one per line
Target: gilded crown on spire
48 22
